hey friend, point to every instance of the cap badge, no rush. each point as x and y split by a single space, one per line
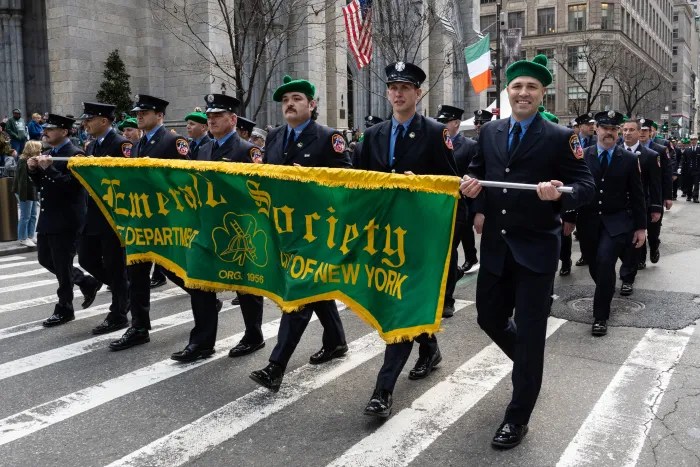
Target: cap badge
611 114
400 66
480 112
137 98
210 98
642 121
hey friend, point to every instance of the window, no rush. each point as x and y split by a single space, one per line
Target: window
516 19
491 97
576 59
674 67
605 96
488 24
675 33
577 17
545 21
674 105
675 17
549 53
675 50
606 15
674 87
550 100
577 99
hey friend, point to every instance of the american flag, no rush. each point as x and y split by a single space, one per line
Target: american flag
358 24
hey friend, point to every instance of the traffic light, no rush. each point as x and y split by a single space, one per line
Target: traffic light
664 127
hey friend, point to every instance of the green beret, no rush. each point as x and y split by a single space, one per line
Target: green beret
685 141
537 68
199 117
128 123
548 116
294 85
655 125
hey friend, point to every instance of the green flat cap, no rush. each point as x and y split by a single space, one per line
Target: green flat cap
199 117
537 68
294 85
548 116
128 123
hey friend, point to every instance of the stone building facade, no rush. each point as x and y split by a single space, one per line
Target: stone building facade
53 52
638 30
685 69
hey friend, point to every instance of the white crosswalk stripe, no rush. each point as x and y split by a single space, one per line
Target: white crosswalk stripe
610 429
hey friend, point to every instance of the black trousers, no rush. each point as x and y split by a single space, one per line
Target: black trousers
565 251
252 311
140 294
396 356
695 185
293 325
206 318
105 259
453 273
467 238
158 272
653 234
55 252
602 251
525 296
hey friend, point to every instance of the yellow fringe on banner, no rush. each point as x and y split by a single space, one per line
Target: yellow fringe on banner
346 178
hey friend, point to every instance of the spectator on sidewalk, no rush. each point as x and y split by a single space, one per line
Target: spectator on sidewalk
17 131
25 191
34 127
5 148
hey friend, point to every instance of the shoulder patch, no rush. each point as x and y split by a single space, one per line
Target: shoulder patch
575 146
447 140
182 146
126 149
338 143
256 155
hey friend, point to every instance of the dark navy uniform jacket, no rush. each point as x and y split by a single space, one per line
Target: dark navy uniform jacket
619 198
63 198
317 146
234 149
163 145
650 164
517 220
113 145
691 161
194 148
666 169
428 152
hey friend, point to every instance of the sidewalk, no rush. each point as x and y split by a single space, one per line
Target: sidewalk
12 248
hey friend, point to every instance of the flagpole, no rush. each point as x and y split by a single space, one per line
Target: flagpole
498 58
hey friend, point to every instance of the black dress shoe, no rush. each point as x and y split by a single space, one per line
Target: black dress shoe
448 311
242 349
468 265
509 435
219 305
565 268
107 326
270 376
600 327
581 262
424 365
379 404
641 265
654 256
155 283
191 353
90 292
696 201
56 320
235 301
131 337
627 289
324 355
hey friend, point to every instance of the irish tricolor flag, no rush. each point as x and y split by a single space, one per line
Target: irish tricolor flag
478 63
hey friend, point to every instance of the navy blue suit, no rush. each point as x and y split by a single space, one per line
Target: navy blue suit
607 224
62 218
464 150
100 252
426 153
316 146
520 244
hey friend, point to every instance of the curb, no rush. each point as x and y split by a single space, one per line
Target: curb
15 250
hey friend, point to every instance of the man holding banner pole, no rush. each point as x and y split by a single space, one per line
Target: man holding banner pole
303 142
520 240
412 144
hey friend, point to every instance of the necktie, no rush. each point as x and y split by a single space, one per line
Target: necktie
216 146
516 139
290 141
399 137
604 161
143 142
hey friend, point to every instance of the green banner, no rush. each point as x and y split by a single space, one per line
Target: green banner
378 242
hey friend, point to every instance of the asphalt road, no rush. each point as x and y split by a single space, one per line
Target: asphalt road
632 397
